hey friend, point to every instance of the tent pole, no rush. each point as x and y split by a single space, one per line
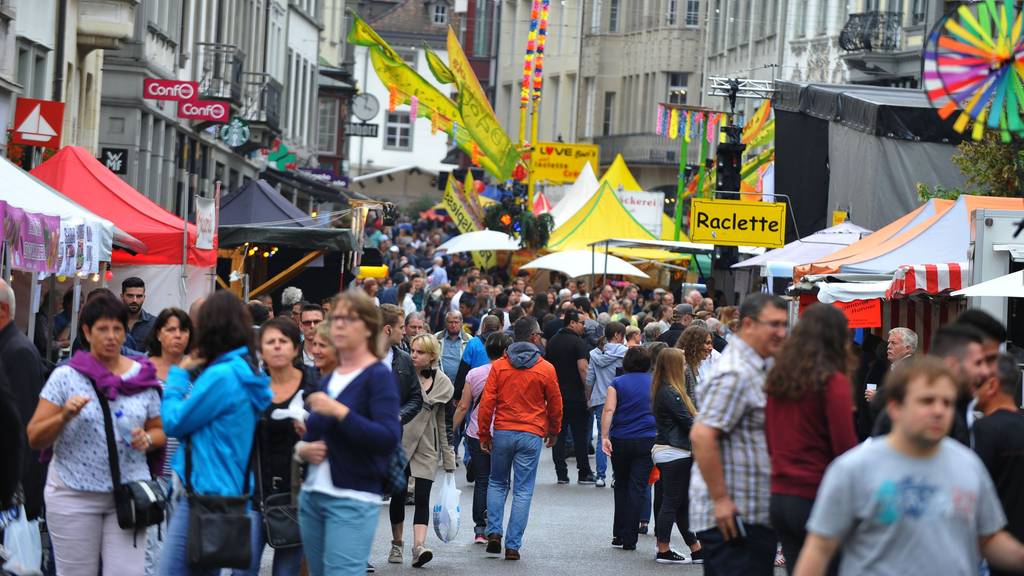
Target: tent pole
104 266
76 305
33 307
52 312
593 265
604 278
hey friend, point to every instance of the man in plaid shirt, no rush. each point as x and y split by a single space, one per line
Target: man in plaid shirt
730 489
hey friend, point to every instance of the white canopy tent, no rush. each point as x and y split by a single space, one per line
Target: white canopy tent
1008 286
576 197
576 263
481 241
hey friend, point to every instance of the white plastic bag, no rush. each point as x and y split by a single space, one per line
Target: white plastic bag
21 539
446 511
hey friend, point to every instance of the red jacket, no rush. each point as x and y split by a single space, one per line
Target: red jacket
806 435
521 394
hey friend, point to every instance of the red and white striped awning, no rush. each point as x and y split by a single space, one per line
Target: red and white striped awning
928 279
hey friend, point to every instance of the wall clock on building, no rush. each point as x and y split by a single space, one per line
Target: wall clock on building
365 106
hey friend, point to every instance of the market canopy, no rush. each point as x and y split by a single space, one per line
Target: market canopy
917 238
810 248
258 213
577 196
1008 286
75 172
602 217
480 241
576 263
619 177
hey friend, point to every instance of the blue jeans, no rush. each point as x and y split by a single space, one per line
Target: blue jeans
287 561
600 458
337 533
519 451
174 556
482 467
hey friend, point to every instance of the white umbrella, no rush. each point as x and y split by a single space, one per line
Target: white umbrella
574 263
1008 286
480 241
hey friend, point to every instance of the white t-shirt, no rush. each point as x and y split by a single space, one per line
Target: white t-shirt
319 477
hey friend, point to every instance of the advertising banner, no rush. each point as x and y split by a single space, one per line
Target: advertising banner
558 163
78 250
738 223
646 207
206 222
204 110
459 211
32 239
175 90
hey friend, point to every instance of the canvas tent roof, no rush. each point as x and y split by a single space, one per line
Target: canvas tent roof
25 191
602 217
577 196
618 177
82 177
811 248
259 213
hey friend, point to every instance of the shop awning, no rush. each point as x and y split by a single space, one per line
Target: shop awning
258 213
1008 286
76 173
933 279
809 249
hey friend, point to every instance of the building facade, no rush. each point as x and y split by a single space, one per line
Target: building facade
882 40
812 50
746 39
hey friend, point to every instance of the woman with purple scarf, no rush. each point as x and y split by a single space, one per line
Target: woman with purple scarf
79 490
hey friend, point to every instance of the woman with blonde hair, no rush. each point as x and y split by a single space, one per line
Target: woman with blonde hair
674 412
325 357
423 439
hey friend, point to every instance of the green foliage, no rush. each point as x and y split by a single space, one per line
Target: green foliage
926 193
992 167
534 231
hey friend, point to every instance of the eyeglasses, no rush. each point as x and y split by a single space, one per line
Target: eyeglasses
777 325
311 322
345 319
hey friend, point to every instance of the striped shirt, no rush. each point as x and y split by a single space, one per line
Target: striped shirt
732 400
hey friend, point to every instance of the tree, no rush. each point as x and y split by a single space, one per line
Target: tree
992 168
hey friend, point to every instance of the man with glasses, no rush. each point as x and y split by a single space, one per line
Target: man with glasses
309 318
730 489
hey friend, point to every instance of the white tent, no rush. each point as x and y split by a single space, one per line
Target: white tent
576 263
480 241
780 261
577 196
1008 286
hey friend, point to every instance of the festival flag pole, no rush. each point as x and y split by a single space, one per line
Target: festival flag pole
538 88
524 88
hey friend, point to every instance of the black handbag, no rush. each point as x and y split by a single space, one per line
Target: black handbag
139 504
395 480
280 514
219 527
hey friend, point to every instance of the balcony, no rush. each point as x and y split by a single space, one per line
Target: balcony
219 71
261 100
8 10
640 149
102 24
871 32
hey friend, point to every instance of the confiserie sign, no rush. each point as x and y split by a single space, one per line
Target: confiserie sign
738 223
177 90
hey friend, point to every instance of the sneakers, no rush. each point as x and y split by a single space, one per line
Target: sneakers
420 556
494 544
697 557
599 483
370 569
587 479
564 480
671 557
617 542
629 546
395 556
511 554
480 539
643 528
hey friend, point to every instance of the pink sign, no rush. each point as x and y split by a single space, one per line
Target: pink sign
206 110
177 90
33 239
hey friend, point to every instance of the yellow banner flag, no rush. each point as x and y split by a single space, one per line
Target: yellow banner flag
437 67
455 203
363 35
398 74
477 113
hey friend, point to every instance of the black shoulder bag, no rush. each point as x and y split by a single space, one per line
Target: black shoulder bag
138 504
219 527
280 514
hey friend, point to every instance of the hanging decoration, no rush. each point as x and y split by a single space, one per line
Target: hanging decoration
673 124
414 107
531 47
542 39
392 98
974 68
659 127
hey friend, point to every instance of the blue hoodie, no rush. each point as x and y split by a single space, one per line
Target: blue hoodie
217 413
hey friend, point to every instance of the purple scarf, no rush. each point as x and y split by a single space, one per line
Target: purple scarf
111 384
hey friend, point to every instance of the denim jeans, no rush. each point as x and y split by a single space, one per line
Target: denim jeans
337 533
155 534
600 458
754 557
482 467
518 451
287 561
174 556
631 463
576 421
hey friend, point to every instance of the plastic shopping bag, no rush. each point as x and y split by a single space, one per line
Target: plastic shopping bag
446 511
21 540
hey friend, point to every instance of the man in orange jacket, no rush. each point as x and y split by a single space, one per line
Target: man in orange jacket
522 402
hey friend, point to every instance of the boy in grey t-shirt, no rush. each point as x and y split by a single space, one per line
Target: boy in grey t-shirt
912 502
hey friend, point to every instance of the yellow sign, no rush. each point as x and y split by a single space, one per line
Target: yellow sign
559 163
738 223
462 214
839 216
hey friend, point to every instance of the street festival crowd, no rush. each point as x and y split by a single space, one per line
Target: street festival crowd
188 442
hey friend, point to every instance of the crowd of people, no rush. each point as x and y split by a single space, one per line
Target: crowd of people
765 442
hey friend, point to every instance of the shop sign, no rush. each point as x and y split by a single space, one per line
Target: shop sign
862 313
839 216
204 110
115 159
558 163
738 223
235 133
646 208
176 90
38 123
361 130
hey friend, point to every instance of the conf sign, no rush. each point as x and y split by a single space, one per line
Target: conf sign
186 94
738 223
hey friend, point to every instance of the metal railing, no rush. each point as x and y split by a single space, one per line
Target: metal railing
871 32
641 148
219 71
261 99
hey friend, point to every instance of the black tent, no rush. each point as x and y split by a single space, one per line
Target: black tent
862 149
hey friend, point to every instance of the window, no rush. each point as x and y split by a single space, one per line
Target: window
595 18
482 29
440 14
590 88
670 13
919 12
609 110
613 16
692 12
801 19
677 83
398 131
822 26
327 140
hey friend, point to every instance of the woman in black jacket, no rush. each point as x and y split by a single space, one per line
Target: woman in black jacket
674 412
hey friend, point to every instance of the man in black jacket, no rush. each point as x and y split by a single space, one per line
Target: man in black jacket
24 371
410 397
682 315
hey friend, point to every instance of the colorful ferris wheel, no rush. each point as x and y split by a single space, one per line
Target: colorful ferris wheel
974 68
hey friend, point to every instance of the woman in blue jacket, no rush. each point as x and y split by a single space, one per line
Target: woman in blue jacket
215 413
352 432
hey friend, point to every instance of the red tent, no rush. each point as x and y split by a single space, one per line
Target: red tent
82 178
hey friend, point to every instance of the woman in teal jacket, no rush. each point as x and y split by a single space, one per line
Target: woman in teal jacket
212 402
